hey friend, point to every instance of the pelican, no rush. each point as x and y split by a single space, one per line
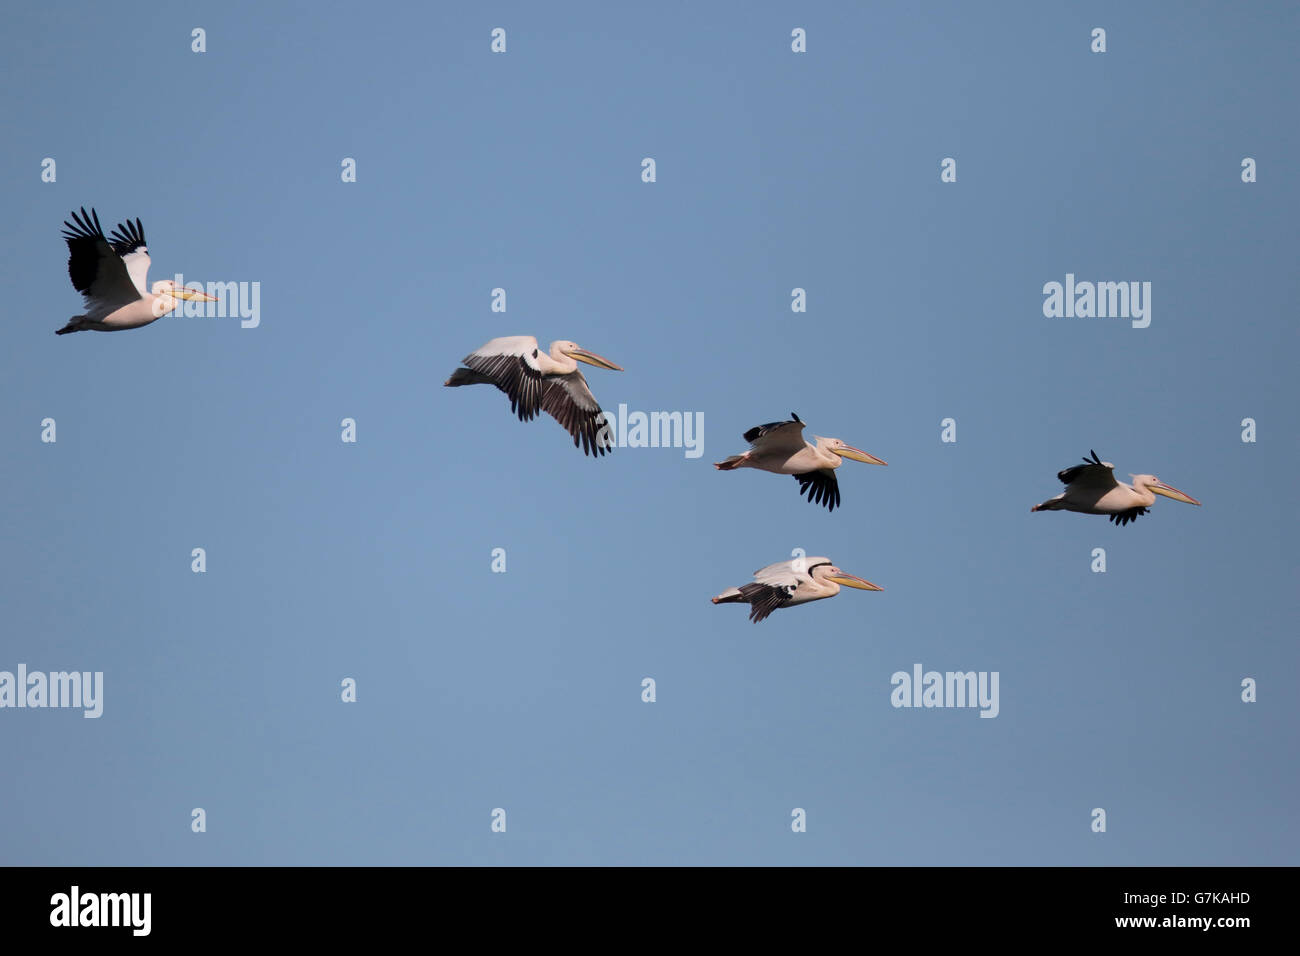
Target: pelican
111 277
1091 489
788 583
779 447
536 381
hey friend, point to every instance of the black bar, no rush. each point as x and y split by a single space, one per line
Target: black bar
377 904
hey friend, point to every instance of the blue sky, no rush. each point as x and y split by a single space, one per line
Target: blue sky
522 690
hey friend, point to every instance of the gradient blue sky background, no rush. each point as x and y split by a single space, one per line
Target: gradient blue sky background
522 690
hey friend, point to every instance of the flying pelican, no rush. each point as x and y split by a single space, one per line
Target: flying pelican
537 382
1091 489
111 276
779 447
788 583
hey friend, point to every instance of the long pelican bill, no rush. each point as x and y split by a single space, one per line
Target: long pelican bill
591 358
197 295
857 454
1169 491
853 581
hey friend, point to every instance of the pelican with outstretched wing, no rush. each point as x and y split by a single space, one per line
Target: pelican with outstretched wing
788 583
539 382
1091 489
779 447
111 273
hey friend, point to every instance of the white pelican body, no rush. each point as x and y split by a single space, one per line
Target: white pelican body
1091 489
788 583
112 276
539 382
779 447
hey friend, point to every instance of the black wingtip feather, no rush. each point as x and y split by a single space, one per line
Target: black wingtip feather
83 226
127 237
763 599
821 489
1122 518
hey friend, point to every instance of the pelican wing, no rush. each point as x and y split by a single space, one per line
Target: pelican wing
763 599
783 572
775 585
511 364
820 486
1093 473
96 271
128 242
777 436
569 401
780 574
1122 518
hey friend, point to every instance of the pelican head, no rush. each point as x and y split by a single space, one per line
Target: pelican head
168 287
834 574
1153 484
848 451
575 351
